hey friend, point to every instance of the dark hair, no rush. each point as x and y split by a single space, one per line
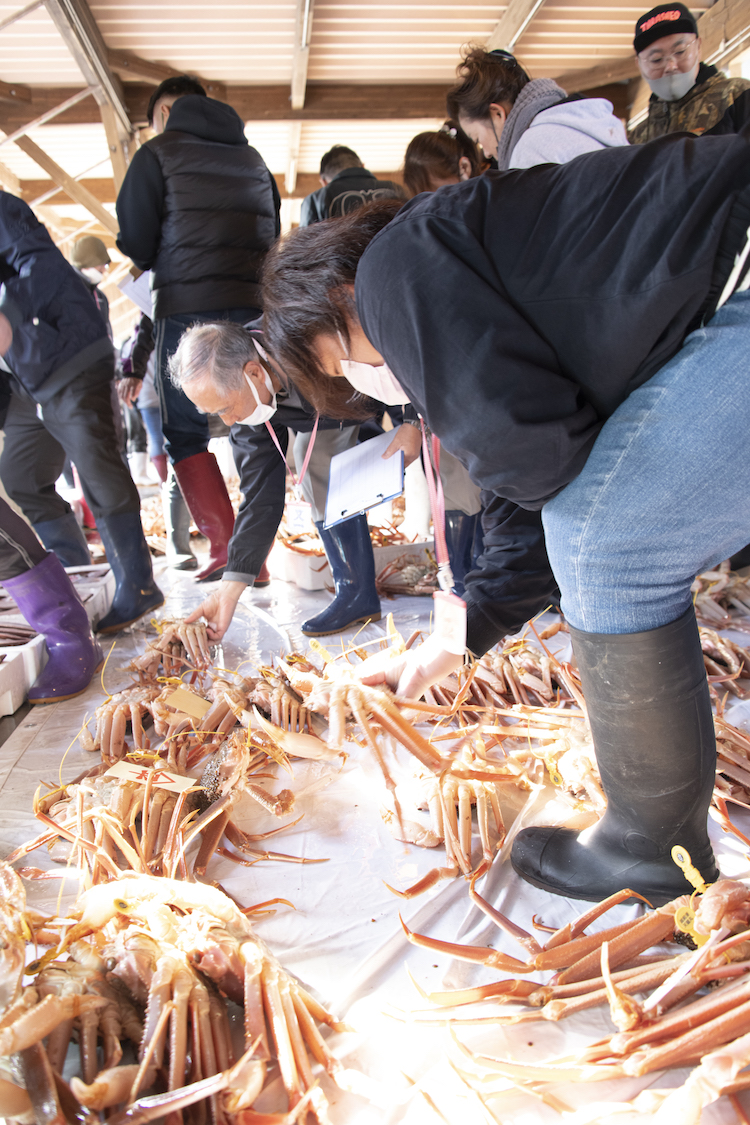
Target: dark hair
180 85
304 296
487 78
337 159
436 156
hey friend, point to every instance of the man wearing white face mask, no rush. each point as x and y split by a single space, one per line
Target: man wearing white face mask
686 95
223 369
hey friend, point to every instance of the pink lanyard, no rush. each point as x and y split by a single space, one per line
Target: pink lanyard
437 504
296 481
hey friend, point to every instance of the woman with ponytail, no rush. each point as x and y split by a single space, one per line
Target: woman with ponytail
434 160
524 121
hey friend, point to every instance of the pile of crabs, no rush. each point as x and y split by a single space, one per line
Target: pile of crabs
176 1006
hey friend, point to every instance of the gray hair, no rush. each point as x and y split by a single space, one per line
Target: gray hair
219 351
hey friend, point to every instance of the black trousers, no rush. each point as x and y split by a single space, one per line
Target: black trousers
20 550
77 421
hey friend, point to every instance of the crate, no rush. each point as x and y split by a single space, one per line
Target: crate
311 572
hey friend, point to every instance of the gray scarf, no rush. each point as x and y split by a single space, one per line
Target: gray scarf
539 94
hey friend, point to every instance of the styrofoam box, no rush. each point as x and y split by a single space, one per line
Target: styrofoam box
21 666
311 572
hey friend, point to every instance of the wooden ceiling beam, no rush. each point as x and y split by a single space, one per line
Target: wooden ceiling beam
302 35
142 70
12 92
73 188
323 102
612 70
79 30
102 188
512 24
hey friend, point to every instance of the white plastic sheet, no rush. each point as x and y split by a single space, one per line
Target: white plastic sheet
344 940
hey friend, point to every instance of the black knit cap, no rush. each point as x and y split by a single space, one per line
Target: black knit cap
667 19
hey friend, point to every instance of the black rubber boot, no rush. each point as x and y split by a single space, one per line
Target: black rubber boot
460 530
349 552
65 538
650 715
136 591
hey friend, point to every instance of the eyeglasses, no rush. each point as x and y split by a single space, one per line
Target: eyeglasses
658 63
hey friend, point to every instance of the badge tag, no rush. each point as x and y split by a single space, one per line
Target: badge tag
161 779
187 701
684 920
450 621
298 517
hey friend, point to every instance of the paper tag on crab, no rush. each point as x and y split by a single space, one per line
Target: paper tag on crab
298 517
161 779
187 701
450 621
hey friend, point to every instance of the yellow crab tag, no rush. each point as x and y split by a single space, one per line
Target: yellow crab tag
320 651
684 920
681 856
187 701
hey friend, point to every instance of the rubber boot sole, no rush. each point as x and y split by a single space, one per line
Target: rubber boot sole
368 617
124 624
73 694
213 575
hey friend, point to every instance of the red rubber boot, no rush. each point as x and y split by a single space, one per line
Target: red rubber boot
206 496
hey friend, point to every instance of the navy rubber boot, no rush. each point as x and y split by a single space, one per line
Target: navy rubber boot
348 549
650 714
46 598
136 591
460 530
65 538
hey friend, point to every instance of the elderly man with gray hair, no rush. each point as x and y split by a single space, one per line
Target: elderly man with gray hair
223 369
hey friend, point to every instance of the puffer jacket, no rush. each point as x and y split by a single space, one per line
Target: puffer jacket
199 208
58 330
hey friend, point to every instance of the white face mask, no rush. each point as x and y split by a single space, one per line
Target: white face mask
376 382
262 413
672 87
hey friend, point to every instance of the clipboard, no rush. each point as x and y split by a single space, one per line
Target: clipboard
136 286
360 478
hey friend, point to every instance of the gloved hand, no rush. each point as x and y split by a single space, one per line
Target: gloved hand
409 673
218 608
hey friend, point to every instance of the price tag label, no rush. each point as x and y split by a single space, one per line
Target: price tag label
320 651
450 621
189 702
298 517
161 779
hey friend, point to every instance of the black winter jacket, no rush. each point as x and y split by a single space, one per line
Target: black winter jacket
199 208
348 190
519 309
262 476
58 331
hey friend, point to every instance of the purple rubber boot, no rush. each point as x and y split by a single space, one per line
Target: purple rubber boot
46 598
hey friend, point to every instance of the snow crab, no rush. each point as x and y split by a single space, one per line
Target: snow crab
112 717
179 646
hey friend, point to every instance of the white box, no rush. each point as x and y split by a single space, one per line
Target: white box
311 572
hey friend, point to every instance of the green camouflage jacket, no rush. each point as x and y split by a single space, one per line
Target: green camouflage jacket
702 107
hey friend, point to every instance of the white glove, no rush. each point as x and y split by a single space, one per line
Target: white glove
410 673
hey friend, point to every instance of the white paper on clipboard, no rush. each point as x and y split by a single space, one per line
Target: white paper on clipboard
138 290
360 479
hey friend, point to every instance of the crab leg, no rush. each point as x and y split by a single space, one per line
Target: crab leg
281 1037
573 929
482 955
692 1044
526 940
40 1085
392 721
255 1024
649 931
699 1012
295 1034
35 1025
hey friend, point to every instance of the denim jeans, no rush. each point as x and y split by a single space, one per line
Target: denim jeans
185 428
664 493
151 416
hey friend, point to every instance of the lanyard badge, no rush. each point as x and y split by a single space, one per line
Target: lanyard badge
450 610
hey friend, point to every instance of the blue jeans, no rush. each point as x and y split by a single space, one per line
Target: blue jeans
185 428
151 416
664 493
